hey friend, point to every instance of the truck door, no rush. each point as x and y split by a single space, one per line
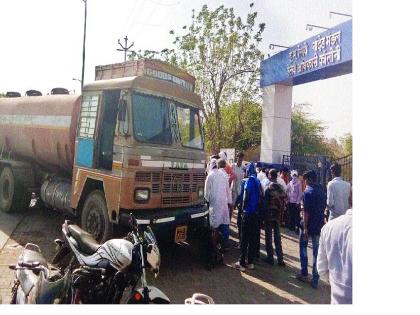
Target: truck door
107 128
86 135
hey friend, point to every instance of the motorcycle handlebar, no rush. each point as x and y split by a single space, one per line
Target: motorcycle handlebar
29 265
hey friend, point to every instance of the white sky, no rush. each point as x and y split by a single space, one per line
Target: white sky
41 42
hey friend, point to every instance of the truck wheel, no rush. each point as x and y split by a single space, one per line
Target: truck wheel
95 218
12 194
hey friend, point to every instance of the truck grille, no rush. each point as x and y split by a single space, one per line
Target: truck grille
155 188
148 177
178 188
176 177
174 184
199 177
175 200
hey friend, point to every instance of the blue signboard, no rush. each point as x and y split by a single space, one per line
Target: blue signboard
326 55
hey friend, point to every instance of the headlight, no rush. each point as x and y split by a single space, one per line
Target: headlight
200 192
141 194
153 257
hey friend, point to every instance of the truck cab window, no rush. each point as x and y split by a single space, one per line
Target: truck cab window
88 115
151 119
107 130
189 127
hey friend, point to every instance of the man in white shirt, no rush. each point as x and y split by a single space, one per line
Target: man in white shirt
335 257
239 176
281 182
217 192
338 191
261 174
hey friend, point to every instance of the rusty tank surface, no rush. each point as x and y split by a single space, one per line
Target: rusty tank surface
40 129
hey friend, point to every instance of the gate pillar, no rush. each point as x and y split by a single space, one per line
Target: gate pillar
276 122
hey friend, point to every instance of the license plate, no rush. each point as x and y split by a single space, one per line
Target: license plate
181 234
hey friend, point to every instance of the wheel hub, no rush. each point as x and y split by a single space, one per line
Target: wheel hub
95 224
6 189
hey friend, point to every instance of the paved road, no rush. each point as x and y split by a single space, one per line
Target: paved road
182 272
8 223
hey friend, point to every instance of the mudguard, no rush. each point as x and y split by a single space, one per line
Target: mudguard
27 280
50 292
31 254
156 296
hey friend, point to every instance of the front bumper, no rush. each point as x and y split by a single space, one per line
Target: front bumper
165 221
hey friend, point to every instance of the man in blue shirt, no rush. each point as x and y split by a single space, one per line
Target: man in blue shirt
314 201
251 192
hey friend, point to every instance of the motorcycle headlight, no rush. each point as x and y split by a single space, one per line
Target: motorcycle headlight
153 257
200 192
141 194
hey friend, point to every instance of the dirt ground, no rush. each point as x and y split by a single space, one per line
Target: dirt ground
182 272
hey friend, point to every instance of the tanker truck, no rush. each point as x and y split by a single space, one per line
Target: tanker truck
131 143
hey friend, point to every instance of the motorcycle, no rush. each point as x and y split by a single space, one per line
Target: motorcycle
85 272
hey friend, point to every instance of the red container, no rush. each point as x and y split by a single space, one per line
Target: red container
41 129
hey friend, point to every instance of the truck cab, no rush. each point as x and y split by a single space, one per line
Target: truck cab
139 149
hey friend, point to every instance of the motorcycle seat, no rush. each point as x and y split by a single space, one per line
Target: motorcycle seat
87 244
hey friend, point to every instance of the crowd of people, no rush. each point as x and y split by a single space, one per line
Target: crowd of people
269 199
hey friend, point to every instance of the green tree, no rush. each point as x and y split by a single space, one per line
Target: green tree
242 125
221 50
334 148
347 143
307 133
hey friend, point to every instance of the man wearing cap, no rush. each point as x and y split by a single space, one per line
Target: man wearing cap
314 201
294 194
252 192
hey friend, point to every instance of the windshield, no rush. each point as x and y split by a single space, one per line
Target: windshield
189 127
151 119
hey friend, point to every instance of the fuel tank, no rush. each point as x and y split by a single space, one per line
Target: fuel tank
40 129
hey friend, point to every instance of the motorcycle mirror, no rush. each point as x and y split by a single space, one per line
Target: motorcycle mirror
132 221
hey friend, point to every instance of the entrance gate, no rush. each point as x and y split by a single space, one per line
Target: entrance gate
326 55
321 165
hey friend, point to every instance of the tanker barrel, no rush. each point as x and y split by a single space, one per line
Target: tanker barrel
58 91
41 129
13 94
33 93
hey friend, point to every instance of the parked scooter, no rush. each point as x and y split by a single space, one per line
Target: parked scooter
85 272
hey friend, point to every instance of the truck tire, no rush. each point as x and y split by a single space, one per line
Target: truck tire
12 194
95 218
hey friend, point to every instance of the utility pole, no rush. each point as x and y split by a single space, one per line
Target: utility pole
84 49
125 48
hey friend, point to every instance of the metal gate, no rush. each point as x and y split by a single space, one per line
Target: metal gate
303 163
346 163
321 165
